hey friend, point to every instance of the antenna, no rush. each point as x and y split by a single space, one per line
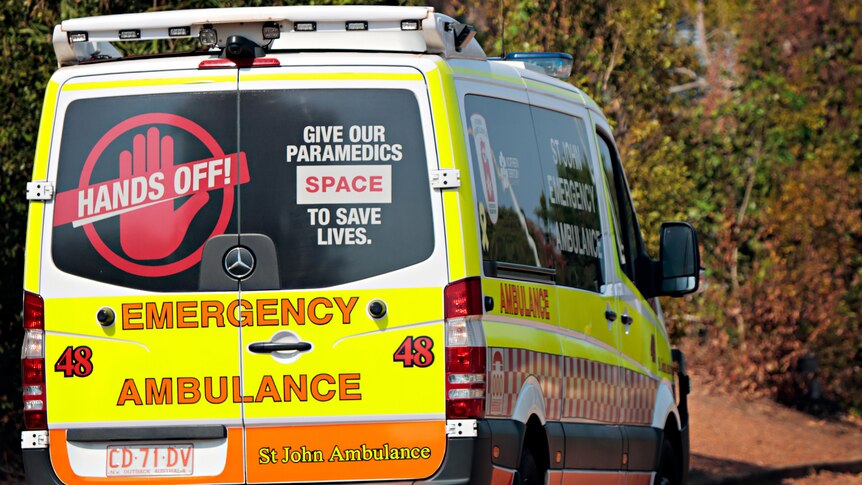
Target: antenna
502 32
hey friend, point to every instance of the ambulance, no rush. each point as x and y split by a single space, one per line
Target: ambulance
338 245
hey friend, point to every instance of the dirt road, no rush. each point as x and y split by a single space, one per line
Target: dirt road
734 440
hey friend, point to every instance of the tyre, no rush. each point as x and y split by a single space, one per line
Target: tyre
668 470
528 470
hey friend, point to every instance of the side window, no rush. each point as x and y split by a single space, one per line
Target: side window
535 189
571 203
508 183
625 221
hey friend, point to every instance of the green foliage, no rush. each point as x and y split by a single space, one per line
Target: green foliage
775 158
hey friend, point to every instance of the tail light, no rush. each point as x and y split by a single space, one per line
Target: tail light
463 298
33 363
466 352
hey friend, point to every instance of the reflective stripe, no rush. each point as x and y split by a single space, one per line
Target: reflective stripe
137 83
35 217
335 76
462 236
573 387
33 248
474 73
373 418
509 370
555 91
489 81
520 83
46 125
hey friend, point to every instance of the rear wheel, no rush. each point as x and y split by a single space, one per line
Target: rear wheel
668 471
528 470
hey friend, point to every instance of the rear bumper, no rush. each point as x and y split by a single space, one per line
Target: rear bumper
459 463
467 461
37 467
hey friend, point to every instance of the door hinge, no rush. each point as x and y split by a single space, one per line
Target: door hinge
446 179
40 190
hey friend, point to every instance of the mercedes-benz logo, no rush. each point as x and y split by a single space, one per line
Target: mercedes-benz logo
239 262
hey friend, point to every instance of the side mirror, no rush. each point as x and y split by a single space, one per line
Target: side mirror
679 260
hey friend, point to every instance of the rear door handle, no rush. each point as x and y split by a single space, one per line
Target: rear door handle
270 347
610 315
627 319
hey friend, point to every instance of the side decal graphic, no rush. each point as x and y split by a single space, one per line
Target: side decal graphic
572 387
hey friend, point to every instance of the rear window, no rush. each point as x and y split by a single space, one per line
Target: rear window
337 179
343 188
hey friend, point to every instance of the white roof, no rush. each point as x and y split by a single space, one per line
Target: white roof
384 32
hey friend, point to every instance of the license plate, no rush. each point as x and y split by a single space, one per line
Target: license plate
150 460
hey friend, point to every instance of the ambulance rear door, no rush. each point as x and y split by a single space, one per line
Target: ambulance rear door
142 357
342 341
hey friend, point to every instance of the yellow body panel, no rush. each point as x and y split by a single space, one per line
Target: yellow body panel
594 337
151 365
350 370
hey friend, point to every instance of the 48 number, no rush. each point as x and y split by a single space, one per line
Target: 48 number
415 352
75 362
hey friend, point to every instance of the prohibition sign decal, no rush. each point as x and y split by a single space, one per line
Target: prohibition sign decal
142 197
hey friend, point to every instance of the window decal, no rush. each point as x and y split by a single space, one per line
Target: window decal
150 178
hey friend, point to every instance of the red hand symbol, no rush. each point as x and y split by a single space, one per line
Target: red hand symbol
156 231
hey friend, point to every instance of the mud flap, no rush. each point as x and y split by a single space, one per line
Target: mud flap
684 389
37 467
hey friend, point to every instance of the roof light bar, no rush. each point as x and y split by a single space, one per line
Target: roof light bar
78 37
180 31
305 26
400 29
356 25
208 36
130 34
271 30
555 64
411 25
